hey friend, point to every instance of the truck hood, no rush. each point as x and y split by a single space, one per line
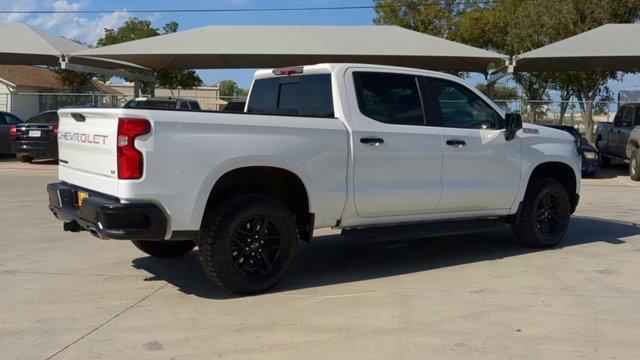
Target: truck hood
545 132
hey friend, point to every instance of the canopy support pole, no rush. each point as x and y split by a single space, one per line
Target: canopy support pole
497 75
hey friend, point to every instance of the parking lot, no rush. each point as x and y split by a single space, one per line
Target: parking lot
66 295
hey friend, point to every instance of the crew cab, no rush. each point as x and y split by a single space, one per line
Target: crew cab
379 152
620 140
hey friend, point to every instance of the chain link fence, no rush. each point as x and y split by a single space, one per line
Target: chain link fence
561 112
571 113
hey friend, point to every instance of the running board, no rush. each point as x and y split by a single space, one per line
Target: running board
424 230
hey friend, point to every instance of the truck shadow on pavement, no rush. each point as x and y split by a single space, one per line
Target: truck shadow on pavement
334 259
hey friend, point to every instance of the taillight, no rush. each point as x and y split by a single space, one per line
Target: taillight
288 71
55 132
130 159
13 132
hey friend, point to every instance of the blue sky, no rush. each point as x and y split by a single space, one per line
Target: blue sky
89 27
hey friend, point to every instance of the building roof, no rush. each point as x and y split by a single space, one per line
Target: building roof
225 46
611 47
29 76
39 78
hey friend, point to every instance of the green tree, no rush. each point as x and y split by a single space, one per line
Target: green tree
230 89
73 81
134 29
426 16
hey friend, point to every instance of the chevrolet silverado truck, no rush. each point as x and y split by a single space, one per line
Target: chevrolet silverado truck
620 140
379 152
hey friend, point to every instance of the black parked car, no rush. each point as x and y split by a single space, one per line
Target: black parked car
7 123
38 136
588 152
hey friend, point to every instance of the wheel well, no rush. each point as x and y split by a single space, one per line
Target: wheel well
556 170
281 184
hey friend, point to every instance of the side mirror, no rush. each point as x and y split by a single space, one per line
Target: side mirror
514 123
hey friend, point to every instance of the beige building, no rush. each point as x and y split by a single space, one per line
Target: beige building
207 96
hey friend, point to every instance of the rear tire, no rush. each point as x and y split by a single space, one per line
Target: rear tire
544 215
164 249
634 165
248 243
24 158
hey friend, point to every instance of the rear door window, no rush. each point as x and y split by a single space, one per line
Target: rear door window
389 98
303 95
621 115
627 119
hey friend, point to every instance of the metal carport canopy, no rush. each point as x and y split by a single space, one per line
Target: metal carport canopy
20 44
611 47
217 47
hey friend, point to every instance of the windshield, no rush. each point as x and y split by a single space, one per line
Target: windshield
154 104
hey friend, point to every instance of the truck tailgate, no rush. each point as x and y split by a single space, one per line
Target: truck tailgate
87 148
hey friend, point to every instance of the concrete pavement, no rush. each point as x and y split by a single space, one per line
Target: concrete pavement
71 296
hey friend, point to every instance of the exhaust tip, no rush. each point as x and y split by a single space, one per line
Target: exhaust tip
71 226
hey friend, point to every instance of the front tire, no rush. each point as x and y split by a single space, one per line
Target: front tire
544 215
634 165
248 243
164 249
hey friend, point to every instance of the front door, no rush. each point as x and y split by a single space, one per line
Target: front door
480 170
397 159
622 129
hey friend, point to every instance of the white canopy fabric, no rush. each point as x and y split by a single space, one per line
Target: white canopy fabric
20 44
278 46
612 47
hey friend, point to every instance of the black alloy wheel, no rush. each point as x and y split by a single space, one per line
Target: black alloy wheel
544 213
256 246
248 243
548 216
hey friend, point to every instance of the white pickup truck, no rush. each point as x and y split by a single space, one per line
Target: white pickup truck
380 152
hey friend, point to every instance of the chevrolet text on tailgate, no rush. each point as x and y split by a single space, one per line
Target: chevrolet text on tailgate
379 152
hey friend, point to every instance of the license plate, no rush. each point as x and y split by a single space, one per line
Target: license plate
35 133
81 196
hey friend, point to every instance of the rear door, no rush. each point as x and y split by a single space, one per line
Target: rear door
480 170
620 134
397 159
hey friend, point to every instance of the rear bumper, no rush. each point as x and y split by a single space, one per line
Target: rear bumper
106 217
35 147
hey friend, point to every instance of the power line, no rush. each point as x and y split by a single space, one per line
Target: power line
244 10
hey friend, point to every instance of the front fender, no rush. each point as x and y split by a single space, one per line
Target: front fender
537 151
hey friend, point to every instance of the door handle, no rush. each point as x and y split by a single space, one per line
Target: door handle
373 141
456 143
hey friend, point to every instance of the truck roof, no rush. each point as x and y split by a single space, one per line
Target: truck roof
327 68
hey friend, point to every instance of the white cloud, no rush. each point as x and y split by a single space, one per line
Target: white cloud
85 28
